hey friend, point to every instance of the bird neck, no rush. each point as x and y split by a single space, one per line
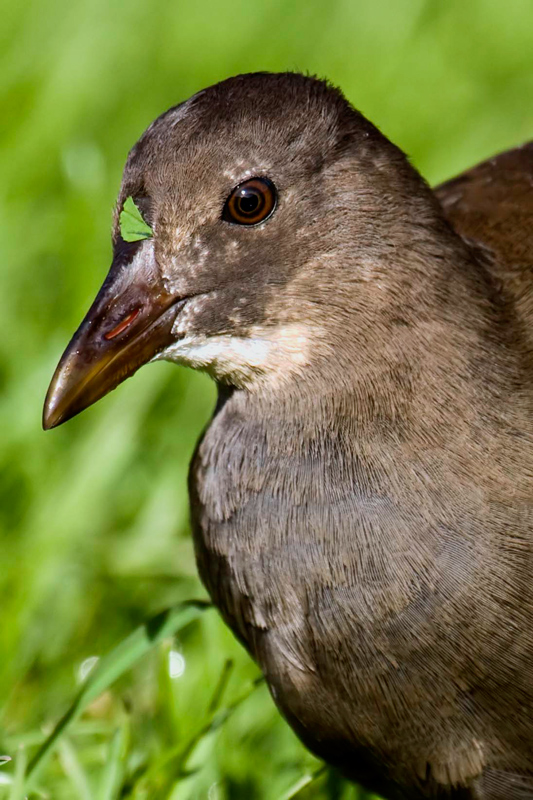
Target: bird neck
417 349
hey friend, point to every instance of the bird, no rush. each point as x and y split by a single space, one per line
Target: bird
362 498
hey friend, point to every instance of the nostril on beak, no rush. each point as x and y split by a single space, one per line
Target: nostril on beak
122 325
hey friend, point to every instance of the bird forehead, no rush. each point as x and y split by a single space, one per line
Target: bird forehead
231 133
216 161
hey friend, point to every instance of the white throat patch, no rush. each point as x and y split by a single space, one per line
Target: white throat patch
264 354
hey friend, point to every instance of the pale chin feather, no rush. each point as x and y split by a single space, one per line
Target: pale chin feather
263 355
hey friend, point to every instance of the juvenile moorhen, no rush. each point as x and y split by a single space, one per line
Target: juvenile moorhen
362 500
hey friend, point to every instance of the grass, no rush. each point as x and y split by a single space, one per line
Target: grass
93 517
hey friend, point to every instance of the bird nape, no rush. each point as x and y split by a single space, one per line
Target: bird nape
362 499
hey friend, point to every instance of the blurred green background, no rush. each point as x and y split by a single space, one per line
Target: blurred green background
93 516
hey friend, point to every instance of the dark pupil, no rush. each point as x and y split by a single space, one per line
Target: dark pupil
248 202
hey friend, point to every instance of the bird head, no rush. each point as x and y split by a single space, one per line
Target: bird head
253 220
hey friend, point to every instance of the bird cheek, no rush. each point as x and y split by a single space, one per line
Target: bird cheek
189 269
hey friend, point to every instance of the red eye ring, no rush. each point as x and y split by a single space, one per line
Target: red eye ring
251 202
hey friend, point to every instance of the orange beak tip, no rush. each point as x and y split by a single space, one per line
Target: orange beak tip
52 413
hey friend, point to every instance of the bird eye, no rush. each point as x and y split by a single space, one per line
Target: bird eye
251 202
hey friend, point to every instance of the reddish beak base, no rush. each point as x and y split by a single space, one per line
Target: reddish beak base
129 322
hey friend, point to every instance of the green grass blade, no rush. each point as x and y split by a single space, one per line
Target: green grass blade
114 768
74 770
17 787
179 755
221 686
112 666
303 783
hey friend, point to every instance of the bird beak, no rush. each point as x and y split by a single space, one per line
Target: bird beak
129 322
